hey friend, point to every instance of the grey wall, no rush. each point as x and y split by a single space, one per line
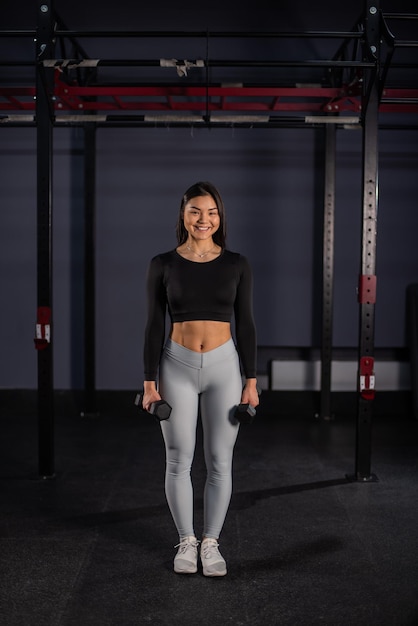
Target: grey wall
270 180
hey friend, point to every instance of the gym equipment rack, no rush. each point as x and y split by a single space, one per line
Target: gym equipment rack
352 89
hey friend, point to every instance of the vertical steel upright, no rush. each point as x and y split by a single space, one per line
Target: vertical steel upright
412 335
367 279
328 271
90 407
44 126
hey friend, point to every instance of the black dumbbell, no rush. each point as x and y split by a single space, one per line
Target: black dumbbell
159 409
245 412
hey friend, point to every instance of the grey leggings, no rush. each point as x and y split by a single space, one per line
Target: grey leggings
214 378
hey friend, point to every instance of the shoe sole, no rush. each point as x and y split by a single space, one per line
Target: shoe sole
214 572
185 571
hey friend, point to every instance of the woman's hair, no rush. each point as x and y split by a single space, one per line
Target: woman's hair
202 189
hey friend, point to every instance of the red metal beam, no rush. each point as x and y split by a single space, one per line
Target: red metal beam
217 98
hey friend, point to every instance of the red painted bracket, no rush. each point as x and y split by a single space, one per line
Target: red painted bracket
367 378
43 328
367 289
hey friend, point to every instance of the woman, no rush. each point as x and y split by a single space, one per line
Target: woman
202 285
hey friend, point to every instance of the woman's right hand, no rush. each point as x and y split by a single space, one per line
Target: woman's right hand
150 394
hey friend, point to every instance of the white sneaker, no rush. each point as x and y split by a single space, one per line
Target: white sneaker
185 561
213 562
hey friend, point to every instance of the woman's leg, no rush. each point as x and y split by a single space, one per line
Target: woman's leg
221 392
177 385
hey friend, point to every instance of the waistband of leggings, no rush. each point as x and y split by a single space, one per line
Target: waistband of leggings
199 359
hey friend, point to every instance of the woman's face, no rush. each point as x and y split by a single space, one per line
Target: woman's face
201 217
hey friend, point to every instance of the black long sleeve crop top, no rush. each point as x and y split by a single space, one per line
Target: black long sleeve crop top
188 290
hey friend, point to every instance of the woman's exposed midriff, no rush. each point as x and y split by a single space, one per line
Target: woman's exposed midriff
201 335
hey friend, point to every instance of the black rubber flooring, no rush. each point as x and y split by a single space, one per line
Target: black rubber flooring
304 545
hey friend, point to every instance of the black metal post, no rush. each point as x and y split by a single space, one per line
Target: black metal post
328 271
90 400
412 342
44 343
367 281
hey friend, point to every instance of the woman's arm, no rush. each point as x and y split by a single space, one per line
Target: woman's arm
156 312
245 332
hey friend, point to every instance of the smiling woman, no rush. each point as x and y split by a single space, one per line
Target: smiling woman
201 220
202 285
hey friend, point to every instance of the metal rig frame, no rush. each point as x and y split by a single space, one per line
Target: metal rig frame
353 91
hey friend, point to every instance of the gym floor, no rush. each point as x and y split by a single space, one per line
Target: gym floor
304 544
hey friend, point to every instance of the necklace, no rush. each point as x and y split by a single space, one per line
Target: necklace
201 256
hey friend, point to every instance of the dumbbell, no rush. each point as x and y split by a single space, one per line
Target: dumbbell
245 412
160 409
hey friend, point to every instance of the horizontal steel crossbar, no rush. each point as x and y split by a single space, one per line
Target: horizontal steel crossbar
214 98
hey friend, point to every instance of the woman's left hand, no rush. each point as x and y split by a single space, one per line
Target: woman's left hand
250 393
